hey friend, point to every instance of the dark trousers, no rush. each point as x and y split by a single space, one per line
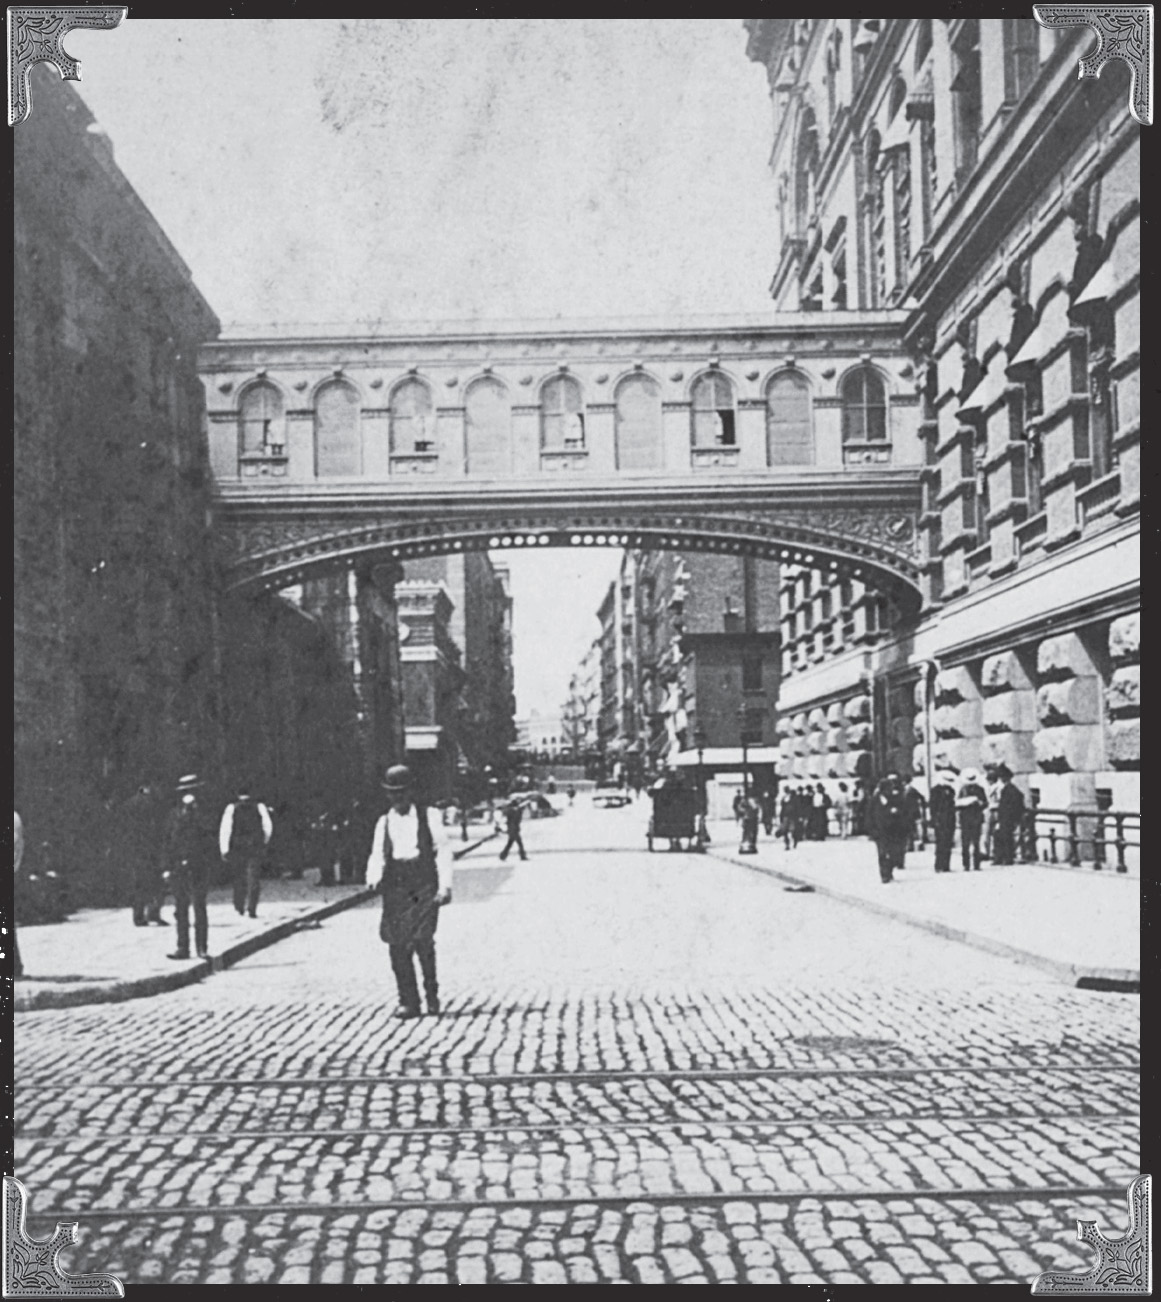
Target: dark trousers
970 830
891 851
403 955
513 840
247 871
943 840
1004 842
190 885
147 892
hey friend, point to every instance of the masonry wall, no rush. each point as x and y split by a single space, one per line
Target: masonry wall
114 627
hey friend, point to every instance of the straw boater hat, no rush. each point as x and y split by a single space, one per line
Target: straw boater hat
398 778
188 782
970 775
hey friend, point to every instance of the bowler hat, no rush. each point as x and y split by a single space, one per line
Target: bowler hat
398 778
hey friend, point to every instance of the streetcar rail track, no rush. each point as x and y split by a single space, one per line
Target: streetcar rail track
556 1127
500 1078
655 1199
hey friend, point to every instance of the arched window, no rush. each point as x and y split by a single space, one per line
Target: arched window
562 418
789 436
713 412
864 407
638 424
412 420
489 428
338 449
262 422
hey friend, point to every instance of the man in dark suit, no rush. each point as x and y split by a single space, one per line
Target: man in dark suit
142 819
513 817
942 814
188 853
1009 816
889 825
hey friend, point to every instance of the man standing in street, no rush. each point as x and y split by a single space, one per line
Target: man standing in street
972 803
404 867
513 816
243 837
917 813
889 825
942 809
187 853
143 815
1009 817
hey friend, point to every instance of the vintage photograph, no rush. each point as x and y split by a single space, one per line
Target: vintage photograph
576 652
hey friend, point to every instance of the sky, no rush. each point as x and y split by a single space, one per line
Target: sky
330 171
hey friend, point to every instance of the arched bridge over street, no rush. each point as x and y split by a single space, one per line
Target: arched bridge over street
857 522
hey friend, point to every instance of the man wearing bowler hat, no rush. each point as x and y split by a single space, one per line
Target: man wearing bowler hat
404 866
189 851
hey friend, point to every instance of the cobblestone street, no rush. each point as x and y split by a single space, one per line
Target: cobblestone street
650 1068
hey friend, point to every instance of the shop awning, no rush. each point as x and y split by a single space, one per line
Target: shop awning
725 757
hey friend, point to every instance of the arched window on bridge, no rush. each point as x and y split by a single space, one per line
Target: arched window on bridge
639 423
714 418
789 432
262 422
338 447
489 428
562 416
864 402
412 420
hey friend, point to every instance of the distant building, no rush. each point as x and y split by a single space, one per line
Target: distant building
432 682
580 714
688 641
542 734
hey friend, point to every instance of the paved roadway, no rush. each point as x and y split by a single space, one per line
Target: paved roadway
651 1068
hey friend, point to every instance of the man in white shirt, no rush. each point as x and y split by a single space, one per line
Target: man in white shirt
243 836
404 867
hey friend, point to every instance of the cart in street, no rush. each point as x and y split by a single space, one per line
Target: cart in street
674 815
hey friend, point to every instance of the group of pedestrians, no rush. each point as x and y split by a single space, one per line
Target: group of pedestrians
965 804
188 853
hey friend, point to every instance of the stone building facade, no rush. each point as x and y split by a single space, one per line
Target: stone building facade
957 171
115 651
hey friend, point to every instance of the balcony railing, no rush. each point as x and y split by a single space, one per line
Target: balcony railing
254 465
414 463
564 459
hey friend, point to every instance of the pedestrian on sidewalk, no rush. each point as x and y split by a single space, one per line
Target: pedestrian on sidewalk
972 803
991 784
889 825
1009 817
243 840
188 852
820 804
513 816
571 795
917 813
17 857
842 809
404 868
142 820
942 810
767 801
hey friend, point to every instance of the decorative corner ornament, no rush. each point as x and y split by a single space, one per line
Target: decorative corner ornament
35 36
1125 1265
30 1265
1123 32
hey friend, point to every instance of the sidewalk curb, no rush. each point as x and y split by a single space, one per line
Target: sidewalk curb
115 992
1072 973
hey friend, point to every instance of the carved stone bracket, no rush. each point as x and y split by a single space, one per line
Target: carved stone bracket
35 36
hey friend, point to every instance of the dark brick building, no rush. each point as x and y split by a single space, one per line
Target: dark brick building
114 643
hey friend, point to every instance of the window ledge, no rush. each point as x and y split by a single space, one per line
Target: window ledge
1100 497
414 463
866 454
712 458
255 464
563 458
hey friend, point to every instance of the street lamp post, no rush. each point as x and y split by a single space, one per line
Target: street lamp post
699 743
749 809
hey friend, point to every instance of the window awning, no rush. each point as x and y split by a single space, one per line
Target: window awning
723 756
897 135
1120 266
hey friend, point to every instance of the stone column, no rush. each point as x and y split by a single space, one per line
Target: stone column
1069 744
1009 714
958 719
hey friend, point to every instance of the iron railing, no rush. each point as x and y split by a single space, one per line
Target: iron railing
1099 838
